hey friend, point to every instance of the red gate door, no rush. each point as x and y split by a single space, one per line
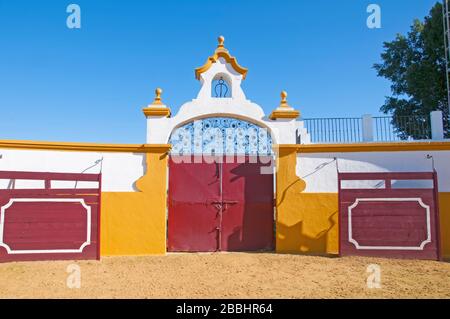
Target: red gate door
49 223
396 218
248 215
194 204
220 206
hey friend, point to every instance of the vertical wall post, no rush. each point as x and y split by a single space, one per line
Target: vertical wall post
437 125
367 128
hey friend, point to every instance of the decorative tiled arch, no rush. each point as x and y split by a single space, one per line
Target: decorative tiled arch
221 135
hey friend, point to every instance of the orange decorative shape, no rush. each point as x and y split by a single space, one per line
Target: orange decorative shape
156 111
160 109
157 100
284 111
284 114
221 52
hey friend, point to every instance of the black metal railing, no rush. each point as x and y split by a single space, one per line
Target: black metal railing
383 129
334 130
401 128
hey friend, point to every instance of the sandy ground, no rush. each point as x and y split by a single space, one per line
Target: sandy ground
226 275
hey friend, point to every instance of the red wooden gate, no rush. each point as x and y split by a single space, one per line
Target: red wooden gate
49 223
220 206
389 215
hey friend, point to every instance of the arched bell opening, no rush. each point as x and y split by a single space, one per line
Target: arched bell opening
221 86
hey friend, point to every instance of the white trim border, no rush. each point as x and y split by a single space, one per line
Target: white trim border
44 251
358 246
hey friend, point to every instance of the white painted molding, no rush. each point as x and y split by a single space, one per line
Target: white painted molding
45 251
358 246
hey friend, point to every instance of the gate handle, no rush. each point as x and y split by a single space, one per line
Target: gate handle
229 202
217 205
223 205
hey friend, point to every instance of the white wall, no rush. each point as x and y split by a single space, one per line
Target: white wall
320 173
119 170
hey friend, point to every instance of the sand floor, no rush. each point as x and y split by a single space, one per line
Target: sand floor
226 275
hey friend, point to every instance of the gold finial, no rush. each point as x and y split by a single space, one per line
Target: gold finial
284 111
221 40
158 93
284 99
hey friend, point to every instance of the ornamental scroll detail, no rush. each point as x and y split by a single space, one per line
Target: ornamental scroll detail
221 135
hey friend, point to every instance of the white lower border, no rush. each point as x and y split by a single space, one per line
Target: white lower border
45 251
358 246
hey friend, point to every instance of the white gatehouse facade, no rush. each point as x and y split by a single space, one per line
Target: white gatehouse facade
222 175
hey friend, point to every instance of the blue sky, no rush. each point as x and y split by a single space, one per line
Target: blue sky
89 85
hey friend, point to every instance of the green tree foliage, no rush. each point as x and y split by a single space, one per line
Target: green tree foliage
416 66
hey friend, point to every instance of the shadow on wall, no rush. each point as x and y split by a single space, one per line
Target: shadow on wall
134 223
306 222
300 239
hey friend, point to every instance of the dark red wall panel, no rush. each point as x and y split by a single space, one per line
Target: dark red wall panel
46 224
389 222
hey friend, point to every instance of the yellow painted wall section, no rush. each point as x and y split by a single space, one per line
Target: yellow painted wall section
444 214
135 223
306 222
